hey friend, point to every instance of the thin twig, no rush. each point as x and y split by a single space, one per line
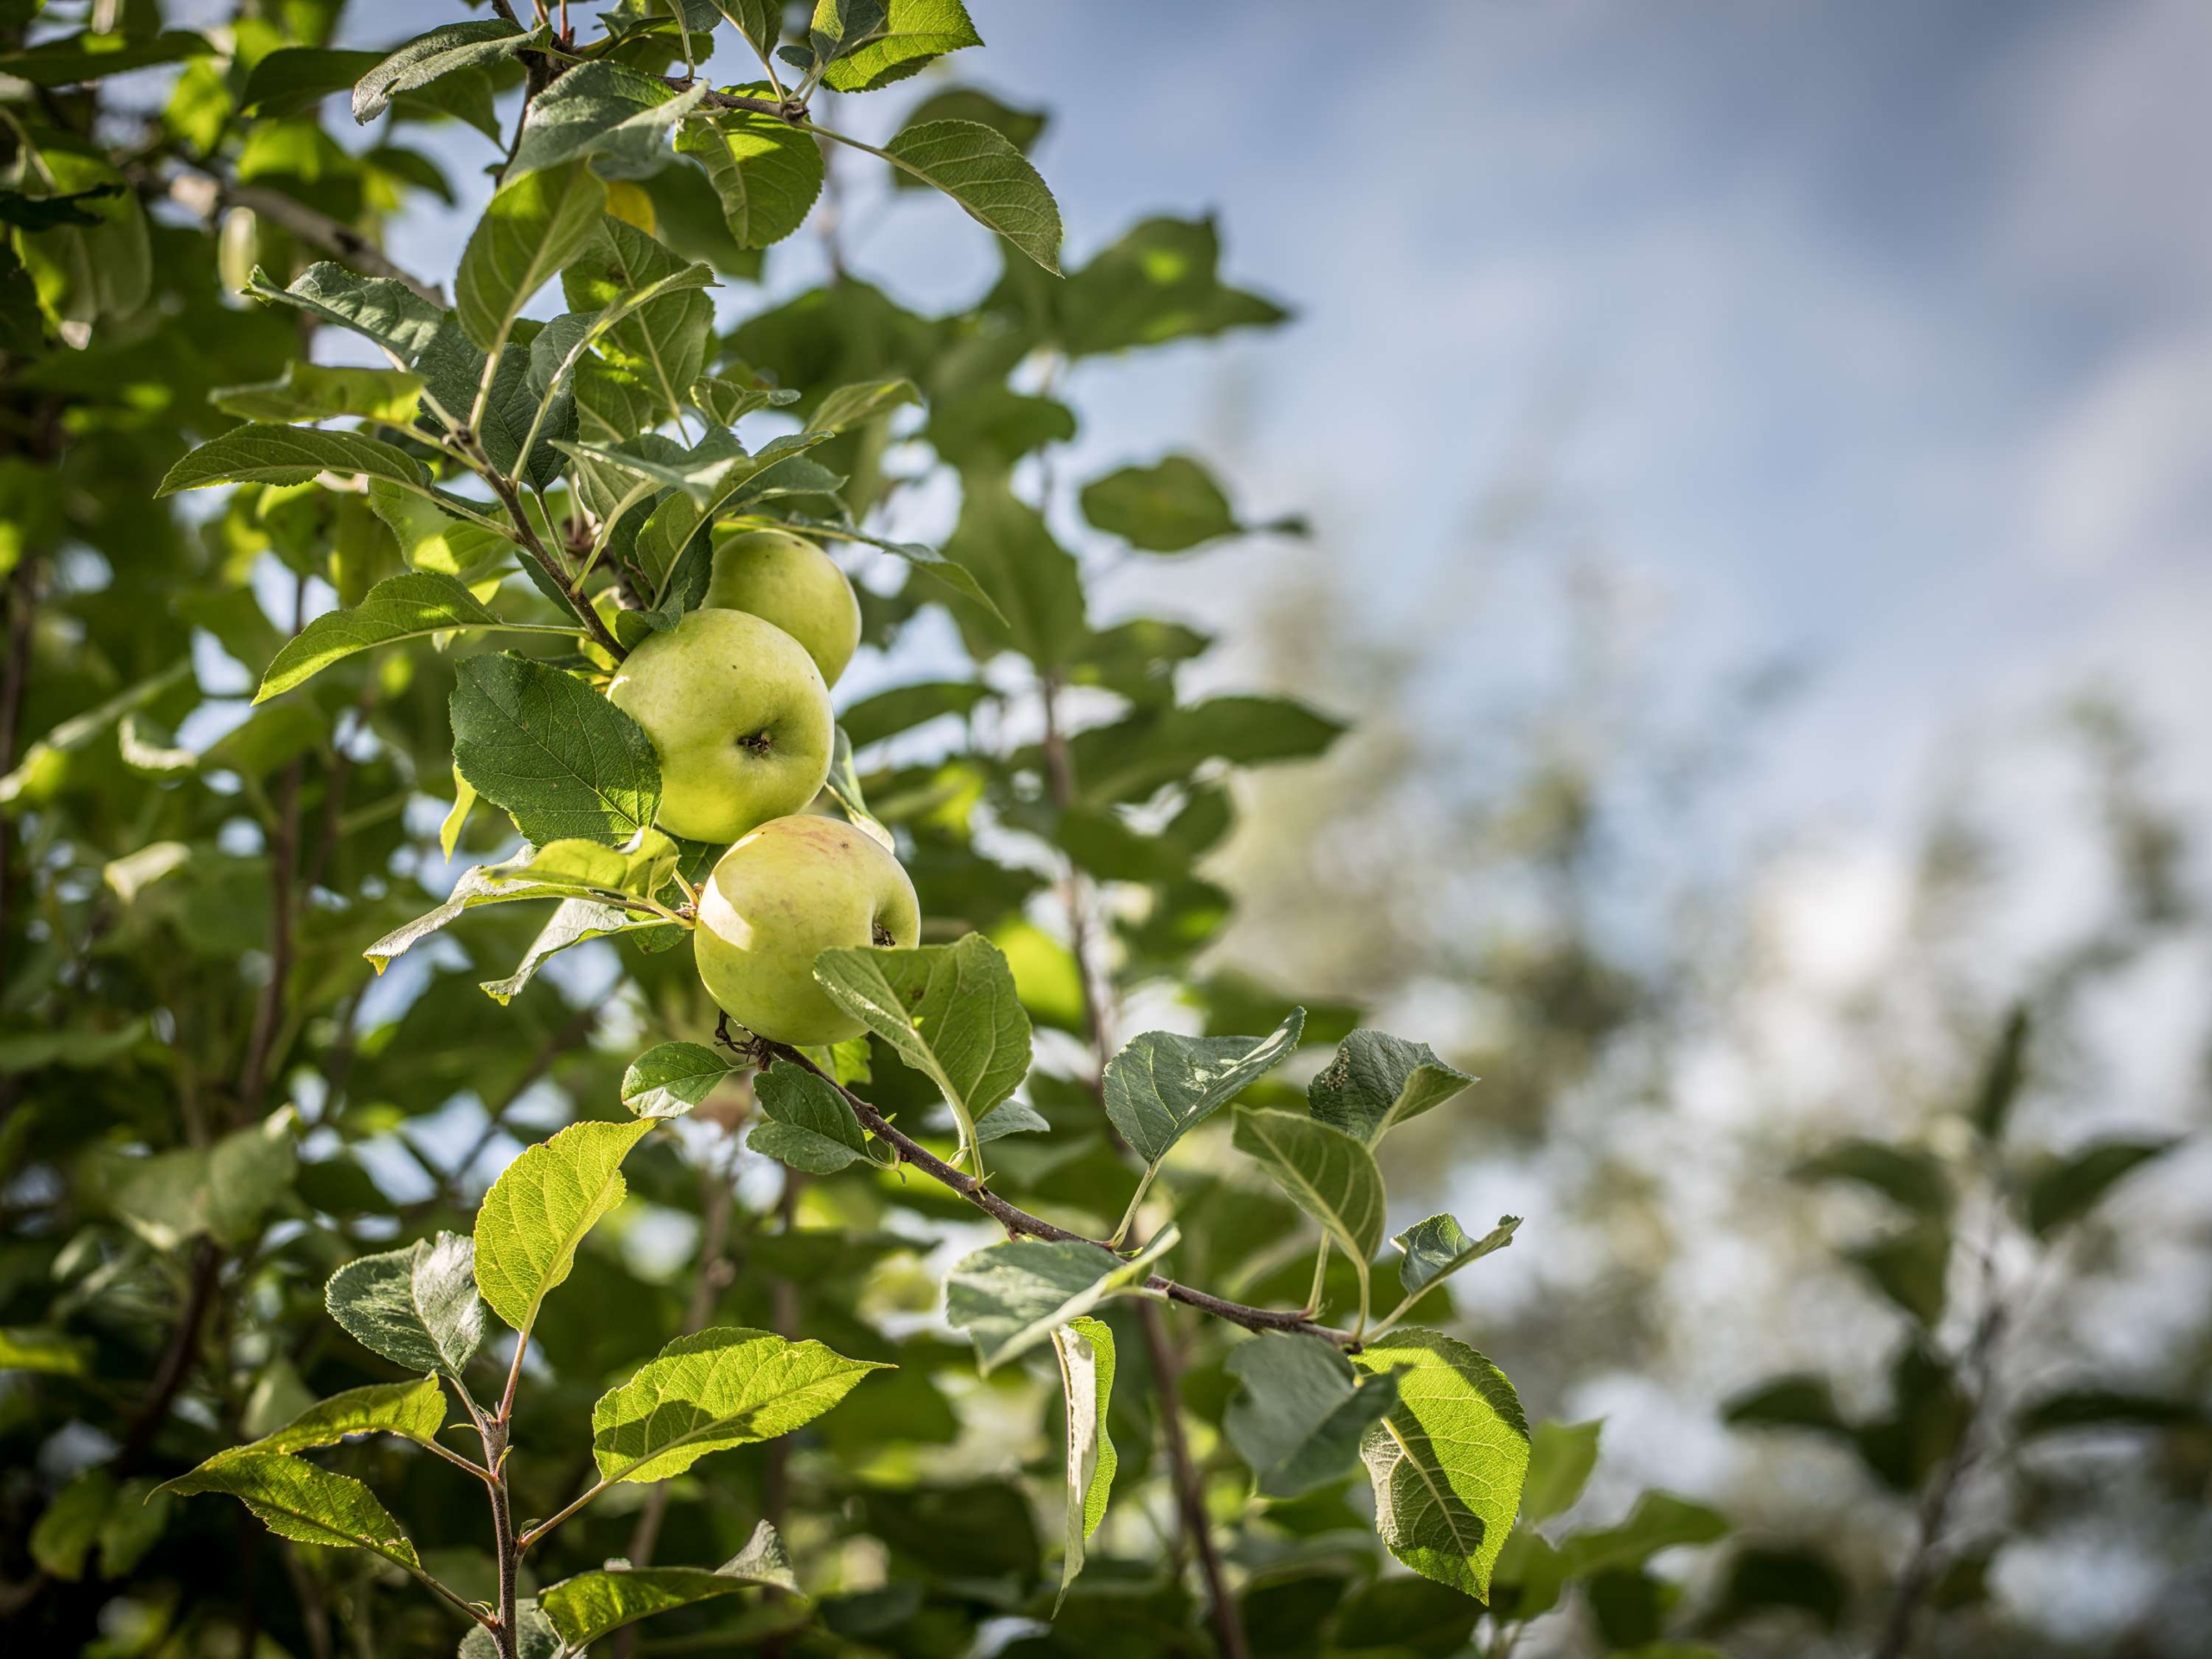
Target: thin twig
204 191
1020 1222
1190 1493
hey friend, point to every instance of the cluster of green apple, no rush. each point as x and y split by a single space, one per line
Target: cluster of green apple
736 699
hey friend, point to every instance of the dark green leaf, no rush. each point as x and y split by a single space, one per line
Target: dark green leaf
1127 760
1301 1412
1162 1085
1167 508
77 58
533 227
989 178
1910 1268
1437 1248
591 1604
445 50
1906 1176
1378 1082
1012 1296
292 79
1560 1458
1020 128
808 1124
2066 1189
418 1306
562 760
2100 1408
668 1079
2001 1077
904 707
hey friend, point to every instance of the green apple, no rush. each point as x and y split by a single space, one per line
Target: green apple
792 888
787 580
739 715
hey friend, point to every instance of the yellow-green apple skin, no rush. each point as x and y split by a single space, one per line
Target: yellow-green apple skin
792 888
740 716
787 580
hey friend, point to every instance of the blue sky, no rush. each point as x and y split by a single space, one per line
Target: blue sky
1873 336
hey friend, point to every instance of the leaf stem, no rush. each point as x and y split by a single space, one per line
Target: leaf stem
539 1531
1320 1275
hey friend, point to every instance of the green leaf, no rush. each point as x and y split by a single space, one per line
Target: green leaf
533 227
2104 1409
574 922
2064 1190
444 51
949 1011
36 213
1008 551
706 1393
652 319
290 454
1560 1458
539 1210
418 1306
593 1605
904 707
862 402
989 178
955 577
1131 759
308 391
562 760
1327 1173
765 172
1159 283
1378 1082
294 80
1906 1176
1012 1296
297 1500
669 1079
1162 1085
535 1636
1436 1249
49 1353
69 1526
1020 128
761 21
1910 1268
75 58
1659 1521
1799 1400
615 116
1085 1348
808 1124
379 310
2001 1077
913 33
222 1191
1448 1460
843 785
410 606
1167 508
414 1411
726 401
1301 1412
612 881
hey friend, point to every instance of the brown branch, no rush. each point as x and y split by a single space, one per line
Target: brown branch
269 1007
1190 1494
790 110
204 191
511 499
1020 1222
175 1362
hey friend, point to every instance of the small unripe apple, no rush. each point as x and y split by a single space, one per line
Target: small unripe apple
787 580
741 718
792 888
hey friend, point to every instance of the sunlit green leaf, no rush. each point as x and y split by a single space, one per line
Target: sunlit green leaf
539 1210
531 229
562 760
1448 1460
719 1388
592 1605
297 1500
1378 1082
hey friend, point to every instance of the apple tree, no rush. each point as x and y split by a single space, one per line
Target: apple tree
326 579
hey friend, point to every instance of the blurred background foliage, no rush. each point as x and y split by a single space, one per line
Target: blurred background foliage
1859 1214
